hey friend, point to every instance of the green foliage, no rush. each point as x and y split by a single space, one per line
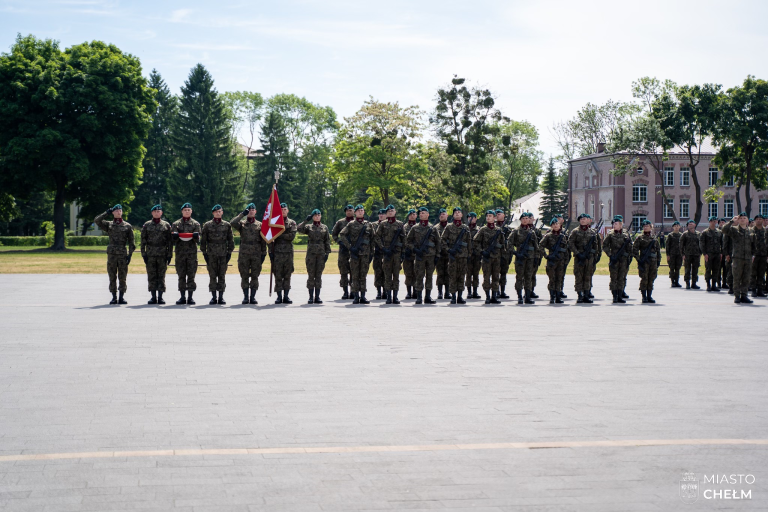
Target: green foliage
49 230
276 158
554 201
518 162
8 207
23 241
592 125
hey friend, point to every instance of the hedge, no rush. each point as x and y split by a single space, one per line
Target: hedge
94 241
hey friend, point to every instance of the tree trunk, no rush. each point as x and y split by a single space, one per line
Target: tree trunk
738 198
697 187
748 162
58 216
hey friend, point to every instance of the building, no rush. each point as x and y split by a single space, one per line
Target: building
637 195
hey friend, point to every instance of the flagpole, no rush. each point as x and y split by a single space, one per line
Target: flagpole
270 247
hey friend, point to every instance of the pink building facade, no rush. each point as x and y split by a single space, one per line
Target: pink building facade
637 195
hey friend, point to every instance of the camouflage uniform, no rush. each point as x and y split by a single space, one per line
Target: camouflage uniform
613 243
537 261
282 258
343 252
378 270
491 258
390 236
743 242
441 266
556 245
457 262
217 243
650 265
525 258
186 254
689 245
505 260
409 265
759 264
253 251
156 250
674 256
318 249
711 245
727 263
579 243
358 263
474 264
424 265
120 234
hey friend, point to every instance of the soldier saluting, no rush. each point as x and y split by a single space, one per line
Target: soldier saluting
253 251
456 240
156 251
318 249
389 239
343 262
186 236
489 240
217 243
120 234
583 243
424 243
357 238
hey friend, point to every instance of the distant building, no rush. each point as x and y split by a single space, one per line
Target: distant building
637 195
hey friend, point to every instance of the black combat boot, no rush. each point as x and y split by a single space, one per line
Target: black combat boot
190 300
355 298
645 299
388 296
528 297
439 292
709 286
620 297
246 300
533 294
694 285
558 300
253 296
495 298
221 298
182 300
580 298
615 296
279 299
736 298
623 294
120 299
311 296
475 295
317 296
418 298
519 296
153 300
286 300
487 296
588 297
687 284
552 297
408 292
724 285
428 297
346 293
503 294
378 293
745 299
160 297
394 297
730 291
114 298
213 300
453 298
648 296
363 300
460 299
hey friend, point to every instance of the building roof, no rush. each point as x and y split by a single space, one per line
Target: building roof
707 148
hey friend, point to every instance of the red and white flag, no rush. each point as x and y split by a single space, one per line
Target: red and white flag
273 223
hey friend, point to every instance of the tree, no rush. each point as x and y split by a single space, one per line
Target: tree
72 123
8 207
276 157
206 172
244 109
518 160
553 200
592 125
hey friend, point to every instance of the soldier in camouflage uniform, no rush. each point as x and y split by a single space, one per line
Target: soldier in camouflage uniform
523 244
539 255
674 254
344 270
689 245
120 234
157 251
474 260
489 240
378 271
318 249
441 264
282 259
505 258
759 262
711 245
217 243
358 238
253 251
727 267
554 247
186 252
424 243
617 246
390 239
647 251
564 225
743 241
456 239
583 243
409 269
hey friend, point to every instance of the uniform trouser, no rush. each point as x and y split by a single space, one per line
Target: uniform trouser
675 261
442 270
556 274
117 268
249 266
536 266
474 264
618 273
282 268
378 271
315 266
712 267
217 272
457 272
583 275
391 269
758 272
491 271
729 273
648 275
524 270
156 267
409 270
691 264
562 281
344 267
359 272
504 262
741 268
423 268
186 268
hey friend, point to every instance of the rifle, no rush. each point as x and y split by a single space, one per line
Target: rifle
423 245
453 250
392 244
554 255
583 255
646 254
493 243
615 257
355 249
523 252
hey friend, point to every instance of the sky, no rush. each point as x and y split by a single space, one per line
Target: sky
542 59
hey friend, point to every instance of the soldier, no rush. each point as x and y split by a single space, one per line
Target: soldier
617 245
583 243
723 266
759 262
318 249
358 237
505 259
253 251
743 241
711 245
727 251
156 251
186 234
456 238
441 264
523 244
343 253
282 259
390 238
556 243
217 243
689 246
539 256
674 254
474 260
408 258
378 272
424 243
564 225
647 251
489 240
120 234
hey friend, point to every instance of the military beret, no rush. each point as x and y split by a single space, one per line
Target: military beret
554 220
499 210
743 214
724 220
691 221
216 207
618 218
382 211
157 207
456 209
676 223
359 207
421 209
283 205
646 222
117 207
582 216
751 220
316 212
442 210
471 214
390 207
758 216
527 214
413 210
186 205
491 212
712 218
250 206
349 207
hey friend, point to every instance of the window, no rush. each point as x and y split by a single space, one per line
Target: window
668 208
592 208
763 207
685 176
728 208
586 182
669 176
713 176
639 193
684 203
730 182
640 170
712 210
637 222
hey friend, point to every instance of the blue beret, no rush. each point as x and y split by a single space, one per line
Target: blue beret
349 207
186 205
554 220
359 207
250 206
646 222
157 207
423 209
216 207
442 210
117 207
283 205
499 210
471 214
390 207
456 209
490 212
382 211
712 218
676 223
316 212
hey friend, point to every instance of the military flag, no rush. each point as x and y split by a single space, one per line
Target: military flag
273 223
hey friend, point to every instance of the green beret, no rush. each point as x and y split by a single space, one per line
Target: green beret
743 214
442 210
618 218
186 205
359 207
724 220
157 207
413 210
712 218
676 223
349 207
390 207
646 222
554 220
471 214
250 206
491 212
582 216
421 209
758 216
456 209
283 205
316 212
216 207
524 214
690 221
382 211
499 210
117 207
751 220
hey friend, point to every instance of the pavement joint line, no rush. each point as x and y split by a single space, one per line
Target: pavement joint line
382 449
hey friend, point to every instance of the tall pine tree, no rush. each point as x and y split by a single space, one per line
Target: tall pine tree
206 172
553 201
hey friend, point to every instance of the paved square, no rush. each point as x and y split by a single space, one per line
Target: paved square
341 407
